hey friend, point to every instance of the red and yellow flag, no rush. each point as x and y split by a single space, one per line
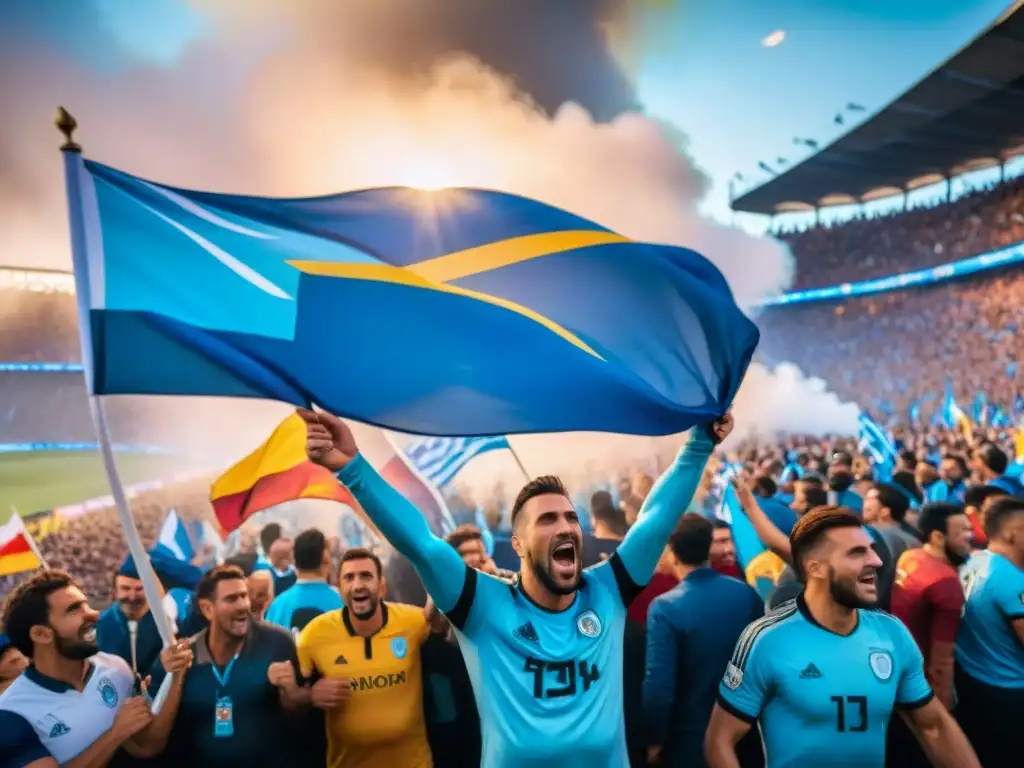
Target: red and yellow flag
276 472
17 550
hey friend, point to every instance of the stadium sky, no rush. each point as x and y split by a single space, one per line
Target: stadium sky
699 65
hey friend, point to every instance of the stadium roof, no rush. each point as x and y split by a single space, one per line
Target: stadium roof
966 115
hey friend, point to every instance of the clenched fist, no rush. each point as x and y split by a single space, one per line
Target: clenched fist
329 441
328 694
281 674
719 429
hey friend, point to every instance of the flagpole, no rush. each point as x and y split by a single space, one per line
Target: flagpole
518 461
79 229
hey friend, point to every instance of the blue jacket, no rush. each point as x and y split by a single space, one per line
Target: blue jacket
113 636
691 633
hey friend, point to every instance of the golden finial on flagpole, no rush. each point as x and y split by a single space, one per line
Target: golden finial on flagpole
67 124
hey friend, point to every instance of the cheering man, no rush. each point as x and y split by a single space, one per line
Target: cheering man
545 654
821 675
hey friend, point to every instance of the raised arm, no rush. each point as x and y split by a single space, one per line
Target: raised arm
668 500
330 443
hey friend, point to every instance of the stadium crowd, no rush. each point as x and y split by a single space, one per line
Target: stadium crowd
902 347
901 241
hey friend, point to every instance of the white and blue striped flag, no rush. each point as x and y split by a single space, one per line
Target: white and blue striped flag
875 442
185 541
439 459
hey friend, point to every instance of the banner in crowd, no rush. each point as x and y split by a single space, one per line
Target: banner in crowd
17 550
459 312
118 447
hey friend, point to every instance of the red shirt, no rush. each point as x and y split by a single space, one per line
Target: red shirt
659 584
928 598
732 569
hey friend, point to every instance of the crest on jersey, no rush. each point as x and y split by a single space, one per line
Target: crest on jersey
881 664
108 692
588 624
733 677
399 647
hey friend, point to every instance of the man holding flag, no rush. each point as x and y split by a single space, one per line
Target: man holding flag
546 652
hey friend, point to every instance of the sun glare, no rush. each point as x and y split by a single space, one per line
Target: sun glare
428 175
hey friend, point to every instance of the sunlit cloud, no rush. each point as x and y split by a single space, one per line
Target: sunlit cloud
774 39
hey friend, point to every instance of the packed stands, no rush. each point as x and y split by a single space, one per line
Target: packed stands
865 248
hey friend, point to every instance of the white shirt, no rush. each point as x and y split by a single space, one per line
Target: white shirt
41 717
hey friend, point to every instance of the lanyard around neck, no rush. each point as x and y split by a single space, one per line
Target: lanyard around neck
223 677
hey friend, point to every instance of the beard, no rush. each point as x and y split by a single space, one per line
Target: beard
844 592
371 603
76 648
543 573
955 558
132 608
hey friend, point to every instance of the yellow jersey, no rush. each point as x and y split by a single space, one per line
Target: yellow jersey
382 723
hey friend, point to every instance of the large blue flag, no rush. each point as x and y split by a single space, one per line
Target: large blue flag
459 312
439 459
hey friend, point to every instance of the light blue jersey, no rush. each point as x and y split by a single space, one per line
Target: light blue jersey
548 685
302 603
820 698
987 647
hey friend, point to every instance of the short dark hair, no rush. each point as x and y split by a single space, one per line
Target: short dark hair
816 496
956 457
765 487
812 480
842 458
538 487
361 553
309 549
718 524
270 533
999 513
464 533
906 481
811 529
603 510
993 457
691 541
28 606
934 516
893 499
909 459
244 560
207 587
976 495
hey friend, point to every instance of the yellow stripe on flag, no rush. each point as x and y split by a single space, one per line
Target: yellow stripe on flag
23 561
283 450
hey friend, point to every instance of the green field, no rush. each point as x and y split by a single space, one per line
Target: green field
35 481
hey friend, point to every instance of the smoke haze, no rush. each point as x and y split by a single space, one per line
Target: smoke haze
308 98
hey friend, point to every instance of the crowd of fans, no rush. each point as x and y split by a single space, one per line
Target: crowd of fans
903 347
902 241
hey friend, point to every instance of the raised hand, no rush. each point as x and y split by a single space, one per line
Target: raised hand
177 657
328 694
720 428
329 441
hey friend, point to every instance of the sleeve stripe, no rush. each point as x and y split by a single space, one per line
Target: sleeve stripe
755 629
733 710
459 615
628 589
911 705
